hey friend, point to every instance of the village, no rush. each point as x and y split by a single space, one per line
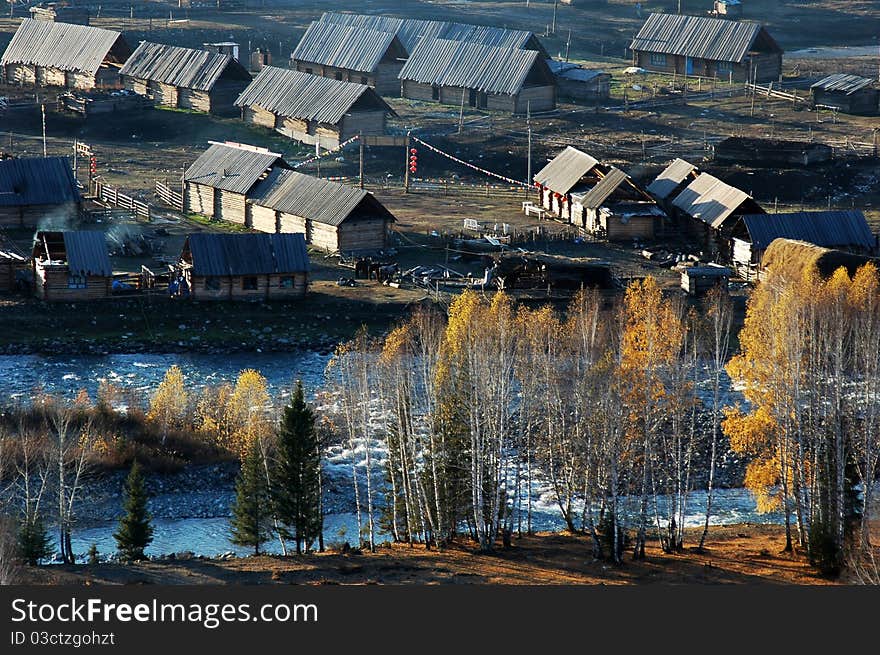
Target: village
366 183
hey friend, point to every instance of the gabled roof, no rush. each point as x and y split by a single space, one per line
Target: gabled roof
64 46
465 65
232 167
670 178
309 97
715 39
247 254
410 31
341 46
564 171
830 229
595 197
37 181
710 200
85 252
187 68
317 199
843 83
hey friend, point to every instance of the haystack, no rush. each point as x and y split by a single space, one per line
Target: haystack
790 258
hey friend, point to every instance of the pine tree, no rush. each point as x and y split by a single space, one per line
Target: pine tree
34 543
251 513
297 474
134 532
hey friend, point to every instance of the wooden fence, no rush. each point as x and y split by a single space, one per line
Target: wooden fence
169 196
107 194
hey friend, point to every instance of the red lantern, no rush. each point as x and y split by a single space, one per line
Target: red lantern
413 151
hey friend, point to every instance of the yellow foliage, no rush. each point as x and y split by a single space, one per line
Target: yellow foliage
170 403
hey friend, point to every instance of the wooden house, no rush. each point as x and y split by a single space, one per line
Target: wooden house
219 182
351 54
332 216
616 209
61 54
412 30
71 266
672 181
771 152
699 280
851 94
313 109
52 12
577 84
185 78
571 172
841 230
245 266
485 77
34 189
707 47
13 264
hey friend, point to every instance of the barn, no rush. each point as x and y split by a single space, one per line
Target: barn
61 54
218 183
35 189
672 181
332 216
571 172
707 47
185 78
313 109
851 94
71 266
245 266
616 209
842 230
485 77
351 54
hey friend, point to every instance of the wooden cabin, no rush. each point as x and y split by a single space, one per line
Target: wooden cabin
699 280
771 152
481 76
185 78
71 266
61 54
707 47
571 172
244 266
846 230
218 183
331 216
351 54
577 84
616 209
672 181
13 264
34 189
313 109
851 94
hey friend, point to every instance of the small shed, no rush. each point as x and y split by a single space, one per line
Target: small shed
245 266
575 83
572 171
616 209
185 78
218 183
313 109
60 54
851 94
351 54
482 76
698 280
13 264
33 189
71 266
772 152
331 216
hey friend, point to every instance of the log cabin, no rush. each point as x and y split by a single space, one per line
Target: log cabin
245 266
61 54
218 183
671 181
707 47
851 94
331 216
572 171
481 76
616 209
71 266
351 54
35 189
312 109
185 78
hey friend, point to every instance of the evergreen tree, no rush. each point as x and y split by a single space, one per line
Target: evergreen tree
251 513
34 543
134 532
297 483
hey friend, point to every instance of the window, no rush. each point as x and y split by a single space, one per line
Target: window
212 284
249 283
339 76
364 80
658 59
286 282
76 281
435 92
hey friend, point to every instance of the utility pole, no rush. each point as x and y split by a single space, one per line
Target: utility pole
555 7
529 163
406 165
43 112
361 166
461 112
567 45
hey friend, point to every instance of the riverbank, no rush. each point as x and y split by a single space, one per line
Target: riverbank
735 554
